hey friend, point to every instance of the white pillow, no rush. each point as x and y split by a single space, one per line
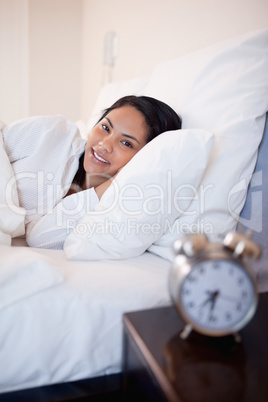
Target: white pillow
224 89
11 215
155 187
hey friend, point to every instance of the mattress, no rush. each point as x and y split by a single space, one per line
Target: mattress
62 320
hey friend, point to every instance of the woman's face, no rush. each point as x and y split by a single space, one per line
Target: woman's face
113 142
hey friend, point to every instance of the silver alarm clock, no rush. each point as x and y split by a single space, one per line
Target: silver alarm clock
212 285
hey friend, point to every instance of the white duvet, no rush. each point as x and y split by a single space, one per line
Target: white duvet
11 215
62 320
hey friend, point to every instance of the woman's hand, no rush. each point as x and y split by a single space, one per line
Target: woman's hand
100 189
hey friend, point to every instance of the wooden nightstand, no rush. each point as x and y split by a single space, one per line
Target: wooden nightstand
160 366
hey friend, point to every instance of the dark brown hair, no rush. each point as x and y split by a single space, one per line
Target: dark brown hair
159 116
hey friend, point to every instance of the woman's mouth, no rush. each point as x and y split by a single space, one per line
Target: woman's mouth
99 158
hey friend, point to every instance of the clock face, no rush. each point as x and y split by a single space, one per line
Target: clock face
217 296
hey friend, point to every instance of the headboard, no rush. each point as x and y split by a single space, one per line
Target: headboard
255 212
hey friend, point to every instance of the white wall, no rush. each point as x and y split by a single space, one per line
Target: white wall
51 51
40 58
150 31
14 67
55 57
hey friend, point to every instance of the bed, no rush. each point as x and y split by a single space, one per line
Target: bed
61 310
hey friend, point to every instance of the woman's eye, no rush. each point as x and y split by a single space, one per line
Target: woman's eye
105 127
127 144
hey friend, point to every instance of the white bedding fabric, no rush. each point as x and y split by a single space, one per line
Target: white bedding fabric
23 273
72 328
11 215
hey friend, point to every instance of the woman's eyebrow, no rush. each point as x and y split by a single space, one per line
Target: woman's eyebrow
125 135
109 121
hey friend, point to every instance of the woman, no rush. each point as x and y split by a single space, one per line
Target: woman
60 177
143 117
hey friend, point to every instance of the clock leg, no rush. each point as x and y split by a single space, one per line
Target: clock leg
237 337
186 331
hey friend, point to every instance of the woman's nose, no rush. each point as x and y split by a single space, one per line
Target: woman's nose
106 145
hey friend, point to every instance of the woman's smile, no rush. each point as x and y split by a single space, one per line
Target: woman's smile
99 157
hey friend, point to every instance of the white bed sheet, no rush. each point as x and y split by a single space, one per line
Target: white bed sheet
72 328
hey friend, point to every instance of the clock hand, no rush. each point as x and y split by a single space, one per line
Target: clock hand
211 298
229 298
208 300
214 296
